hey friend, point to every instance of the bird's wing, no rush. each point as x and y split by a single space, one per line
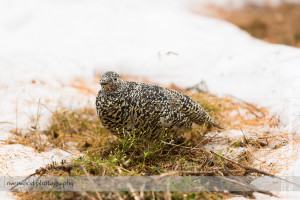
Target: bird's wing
191 108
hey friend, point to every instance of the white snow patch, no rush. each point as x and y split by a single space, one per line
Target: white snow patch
18 160
7 195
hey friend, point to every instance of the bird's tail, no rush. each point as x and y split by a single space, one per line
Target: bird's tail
212 122
216 125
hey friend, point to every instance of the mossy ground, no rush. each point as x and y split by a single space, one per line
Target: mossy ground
106 155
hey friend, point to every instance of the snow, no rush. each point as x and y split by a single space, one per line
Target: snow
46 45
17 160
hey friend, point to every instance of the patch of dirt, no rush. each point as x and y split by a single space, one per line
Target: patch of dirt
274 24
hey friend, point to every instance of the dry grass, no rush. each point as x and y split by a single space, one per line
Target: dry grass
77 129
123 195
107 155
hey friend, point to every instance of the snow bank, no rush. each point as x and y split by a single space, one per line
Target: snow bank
52 42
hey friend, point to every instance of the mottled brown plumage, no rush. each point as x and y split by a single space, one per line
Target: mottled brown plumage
146 108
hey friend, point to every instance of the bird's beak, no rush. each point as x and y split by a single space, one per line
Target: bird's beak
103 83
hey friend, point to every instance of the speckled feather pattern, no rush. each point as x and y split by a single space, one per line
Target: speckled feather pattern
146 108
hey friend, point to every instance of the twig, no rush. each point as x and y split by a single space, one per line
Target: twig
183 172
94 149
175 145
167 195
250 105
12 188
36 127
253 169
222 177
4 122
92 182
171 53
43 170
197 87
40 175
248 185
239 164
142 194
118 195
134 193
66 151
205 140
153 195
47 108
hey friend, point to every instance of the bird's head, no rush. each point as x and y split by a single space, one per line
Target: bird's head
111 82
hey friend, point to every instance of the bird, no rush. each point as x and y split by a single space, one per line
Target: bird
146 109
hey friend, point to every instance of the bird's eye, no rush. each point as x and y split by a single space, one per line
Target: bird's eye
115 79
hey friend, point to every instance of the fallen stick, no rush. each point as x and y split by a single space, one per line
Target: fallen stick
239 164
254 169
